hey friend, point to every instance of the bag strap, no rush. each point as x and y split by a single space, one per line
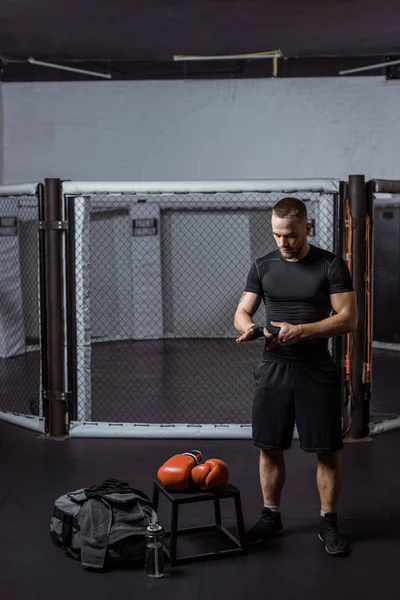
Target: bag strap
68 522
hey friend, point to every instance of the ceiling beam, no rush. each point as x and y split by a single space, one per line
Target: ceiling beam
217 69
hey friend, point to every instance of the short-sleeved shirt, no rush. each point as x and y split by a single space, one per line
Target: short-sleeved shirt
299 292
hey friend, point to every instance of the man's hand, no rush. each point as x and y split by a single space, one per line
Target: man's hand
289 334
248 335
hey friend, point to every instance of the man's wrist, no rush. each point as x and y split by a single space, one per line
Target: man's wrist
258 331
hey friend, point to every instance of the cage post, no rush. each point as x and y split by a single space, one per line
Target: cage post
342 341
337 345
53 224
360 413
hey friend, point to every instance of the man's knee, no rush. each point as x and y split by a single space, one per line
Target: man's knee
275 457
329 458
271 452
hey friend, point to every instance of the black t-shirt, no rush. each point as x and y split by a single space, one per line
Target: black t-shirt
299 292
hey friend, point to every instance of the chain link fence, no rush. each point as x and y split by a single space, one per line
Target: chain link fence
387 268
19 315
155 282
384 207
158 278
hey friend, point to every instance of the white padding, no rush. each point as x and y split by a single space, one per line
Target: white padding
26 421
327 186
12 330
386 424
19 189
82 270
159 431
182 431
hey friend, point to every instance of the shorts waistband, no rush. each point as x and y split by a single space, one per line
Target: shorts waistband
310 360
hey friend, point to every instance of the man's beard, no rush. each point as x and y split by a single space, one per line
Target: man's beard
291 252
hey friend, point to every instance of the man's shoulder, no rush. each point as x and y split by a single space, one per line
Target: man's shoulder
263 261
324 255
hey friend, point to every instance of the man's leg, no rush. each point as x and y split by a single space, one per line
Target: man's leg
329 480
273 423
318 416
272 479
272 476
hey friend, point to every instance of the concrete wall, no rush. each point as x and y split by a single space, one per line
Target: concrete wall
170 130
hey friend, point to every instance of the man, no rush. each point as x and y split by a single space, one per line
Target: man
297 379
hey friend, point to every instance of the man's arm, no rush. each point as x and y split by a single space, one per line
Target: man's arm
345 321
243 321
247 307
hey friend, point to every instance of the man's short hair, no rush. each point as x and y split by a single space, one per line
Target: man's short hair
290 207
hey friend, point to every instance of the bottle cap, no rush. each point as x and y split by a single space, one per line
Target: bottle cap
154 528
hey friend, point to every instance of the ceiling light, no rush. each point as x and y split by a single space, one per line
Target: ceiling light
254 56
274 55
370 67
32 61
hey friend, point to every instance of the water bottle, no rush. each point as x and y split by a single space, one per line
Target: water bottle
154 560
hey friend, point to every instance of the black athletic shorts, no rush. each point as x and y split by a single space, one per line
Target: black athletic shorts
306 394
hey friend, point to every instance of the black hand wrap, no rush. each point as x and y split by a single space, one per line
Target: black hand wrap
273 330
258 331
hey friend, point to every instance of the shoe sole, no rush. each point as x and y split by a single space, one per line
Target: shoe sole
265 539
336 553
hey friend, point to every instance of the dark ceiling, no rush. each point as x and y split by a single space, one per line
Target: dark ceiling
138 38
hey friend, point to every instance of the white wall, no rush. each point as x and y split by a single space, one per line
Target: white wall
286 128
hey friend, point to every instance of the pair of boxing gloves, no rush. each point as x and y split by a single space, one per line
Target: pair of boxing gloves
187 471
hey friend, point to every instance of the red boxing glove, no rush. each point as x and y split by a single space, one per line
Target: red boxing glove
212 474
175 473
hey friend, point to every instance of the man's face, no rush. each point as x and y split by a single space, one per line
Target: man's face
290 235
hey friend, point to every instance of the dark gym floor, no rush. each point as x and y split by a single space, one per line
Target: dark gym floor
34 472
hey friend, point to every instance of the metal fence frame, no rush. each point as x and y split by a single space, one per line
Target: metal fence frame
58 416
376 191
31 421
76 192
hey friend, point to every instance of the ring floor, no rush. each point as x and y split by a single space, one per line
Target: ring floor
174 381
293 566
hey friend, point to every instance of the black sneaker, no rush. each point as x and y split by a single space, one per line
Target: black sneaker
330 535
269 525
